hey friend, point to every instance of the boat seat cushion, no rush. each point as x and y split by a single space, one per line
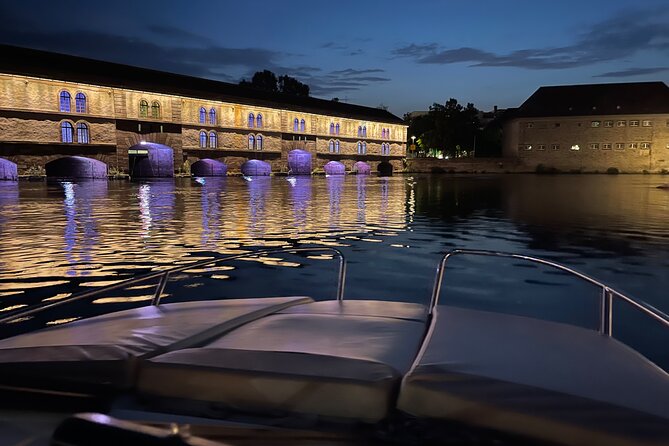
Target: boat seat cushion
102 349
315 360
536 378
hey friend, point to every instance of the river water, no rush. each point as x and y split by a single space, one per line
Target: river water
61 238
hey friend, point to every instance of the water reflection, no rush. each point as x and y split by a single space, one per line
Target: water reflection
211 190
258 189
156 201
335 189
300 193
81 233
361 181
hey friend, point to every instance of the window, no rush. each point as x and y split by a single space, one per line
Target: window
620 146
65 100
332 128
252 142
525 147
66 132
203 115
555 146
80 103
331 146
646 123
364 131
203 139
608 123
634 123
595 123
82 133
529 125
594 145
360 146
575 147
213 140
337 128
252 120
296 125
259 121
633 145
645 145
387 133
606 146
303 125
383 136
621 123
364 148
155 110
212 116
385 149
359 130
541 147
143 109
259 142
337 146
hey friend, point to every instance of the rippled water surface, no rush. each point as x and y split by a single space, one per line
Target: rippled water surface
62 238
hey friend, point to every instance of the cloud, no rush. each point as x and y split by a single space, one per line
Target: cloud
631 72
616 38
339 81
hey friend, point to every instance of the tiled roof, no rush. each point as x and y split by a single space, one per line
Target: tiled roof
30 62
597 99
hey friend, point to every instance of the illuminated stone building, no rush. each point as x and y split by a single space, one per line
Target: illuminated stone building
54 105
592 128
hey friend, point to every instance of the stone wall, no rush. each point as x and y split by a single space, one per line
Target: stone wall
590 143
465 165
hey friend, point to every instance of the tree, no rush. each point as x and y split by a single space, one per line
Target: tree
448 129
290 85
267 81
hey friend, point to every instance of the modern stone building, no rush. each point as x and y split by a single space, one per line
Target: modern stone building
592 128
54 105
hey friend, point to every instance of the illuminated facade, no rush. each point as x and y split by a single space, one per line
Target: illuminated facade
52 105
593 128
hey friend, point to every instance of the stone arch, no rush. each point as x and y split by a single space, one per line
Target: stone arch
151 160
76 167
385 169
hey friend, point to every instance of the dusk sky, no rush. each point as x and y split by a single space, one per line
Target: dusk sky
405 55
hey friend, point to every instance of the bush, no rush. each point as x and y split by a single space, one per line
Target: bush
612 171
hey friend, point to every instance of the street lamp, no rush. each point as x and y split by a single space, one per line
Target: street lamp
413 144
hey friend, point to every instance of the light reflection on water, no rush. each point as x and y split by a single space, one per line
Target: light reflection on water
58 238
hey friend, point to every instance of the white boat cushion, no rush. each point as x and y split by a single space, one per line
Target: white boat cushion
102 349
314 360
543 379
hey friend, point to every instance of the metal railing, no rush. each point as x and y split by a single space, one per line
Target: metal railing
607 294
165 274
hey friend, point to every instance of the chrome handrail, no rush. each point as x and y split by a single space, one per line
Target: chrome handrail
607 293
164 275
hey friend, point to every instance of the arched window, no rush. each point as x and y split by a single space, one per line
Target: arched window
213 140
143 109
252 142
80 103
212 116
337 146
296 125
82 133
259 142
259 121
387 149
359 130
337 129
359 148
203 115
66 132
364 131
364 147
331 146
383 134
155 110
303 126
332 128
252 120
203 139
65 101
